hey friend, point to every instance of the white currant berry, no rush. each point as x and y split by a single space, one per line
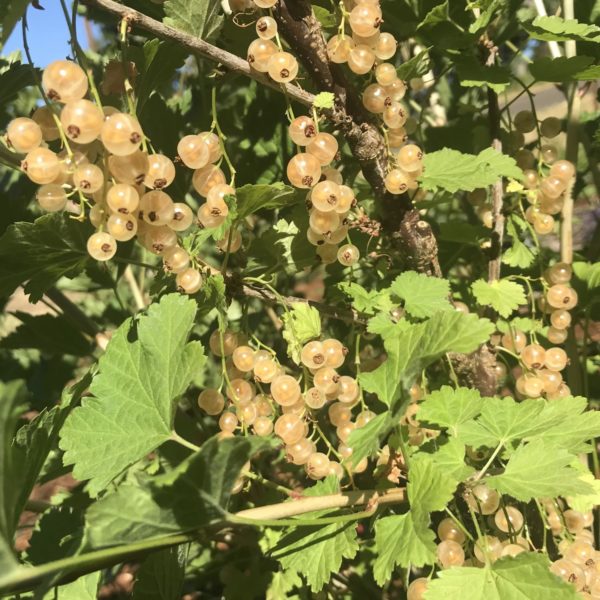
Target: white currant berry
101 246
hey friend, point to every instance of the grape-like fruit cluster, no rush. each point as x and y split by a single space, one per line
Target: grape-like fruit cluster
288 409
123 186
329 201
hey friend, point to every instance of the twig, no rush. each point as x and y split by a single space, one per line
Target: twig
197 46
73 312
497 193
134 287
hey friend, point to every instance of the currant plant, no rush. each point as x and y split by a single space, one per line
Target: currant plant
301 301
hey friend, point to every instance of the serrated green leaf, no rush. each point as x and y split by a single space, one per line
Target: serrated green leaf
324 100
42 252
429 487
366 441
160 577
524 577
252 198
486 16
417 66
503 295
282 583
404 540
588 501
366 301
15 79
380 324
451 170
132 406
558 29
450 408
522 323
563 68
186 498
539 470
316 552
449 455
423 296
413 347
13 11
518 255
301 323
200 18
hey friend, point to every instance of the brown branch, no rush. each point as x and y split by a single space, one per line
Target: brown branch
197 46
497 193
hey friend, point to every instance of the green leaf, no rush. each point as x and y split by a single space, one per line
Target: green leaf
487 15
200 18
324 100
366 441
15 79
317 551
518 255
47 333
503 295
558 29
380 324
327 18
589 500
474 74
417 66
13 11
187 498
502 421
539 470
301 323
429 487
282 583
366 301
450 408
42 252
132 406
564 68
413 347
451 170
160 576
161 61
524 577
404 540
252 198
449 455
83 588
423 296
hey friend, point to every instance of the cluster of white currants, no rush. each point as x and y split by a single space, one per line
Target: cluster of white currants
541 374
102 162
328 199
287 409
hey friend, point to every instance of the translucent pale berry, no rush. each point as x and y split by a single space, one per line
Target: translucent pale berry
361 59
266 28
396 90
338 48
44 117
386 46
488 545
157 208
560 319
365 19
302 130
313 355
335 353
122 227
224 346
121 134
348 392
556 359
182 217
564 170
304 170
533 356
41 165
348 255
158 239
317 466
385 73
193 151
514 340
483 499
410 157
314 398
175 259
82 121
417 588
228 422
243 358
283 67
206 178
262 426
448 530
327 380
122 198
299 452
160 172
260 52
211 401
285 390
450 554
325 196
64 81
327 253
524 121
101 246
508 519
324 147
375 98
88 178
51 197
562 296
396 181
550 127
560 273
129 169
24 134
290 428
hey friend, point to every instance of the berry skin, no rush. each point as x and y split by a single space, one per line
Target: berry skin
302 130
266 28
562 296
556 359
365 19
375 98
564 170
290 428
314 398
533 356
417 588
410 158
325 196
121 134
395 116
386 46
489 546
327 380
44 117
230 342
324 147
82 121
483 499
122 227
559 273
335 353
160 173
514 340
508 518
317 466
338 48
282 67
101 246
550 127
157 208
206 178
524 121
41 166
228 422
361 59
122 198
560 319
189 281
396 181
175 259
448 530
386 74
193 151
313 355
450 554
88 178
243 358
24 134
262 426
129 169
259 54
285 390
211 402
323 222
304 170
348 255
51 197
64 81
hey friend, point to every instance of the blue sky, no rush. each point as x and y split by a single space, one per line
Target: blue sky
48 35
